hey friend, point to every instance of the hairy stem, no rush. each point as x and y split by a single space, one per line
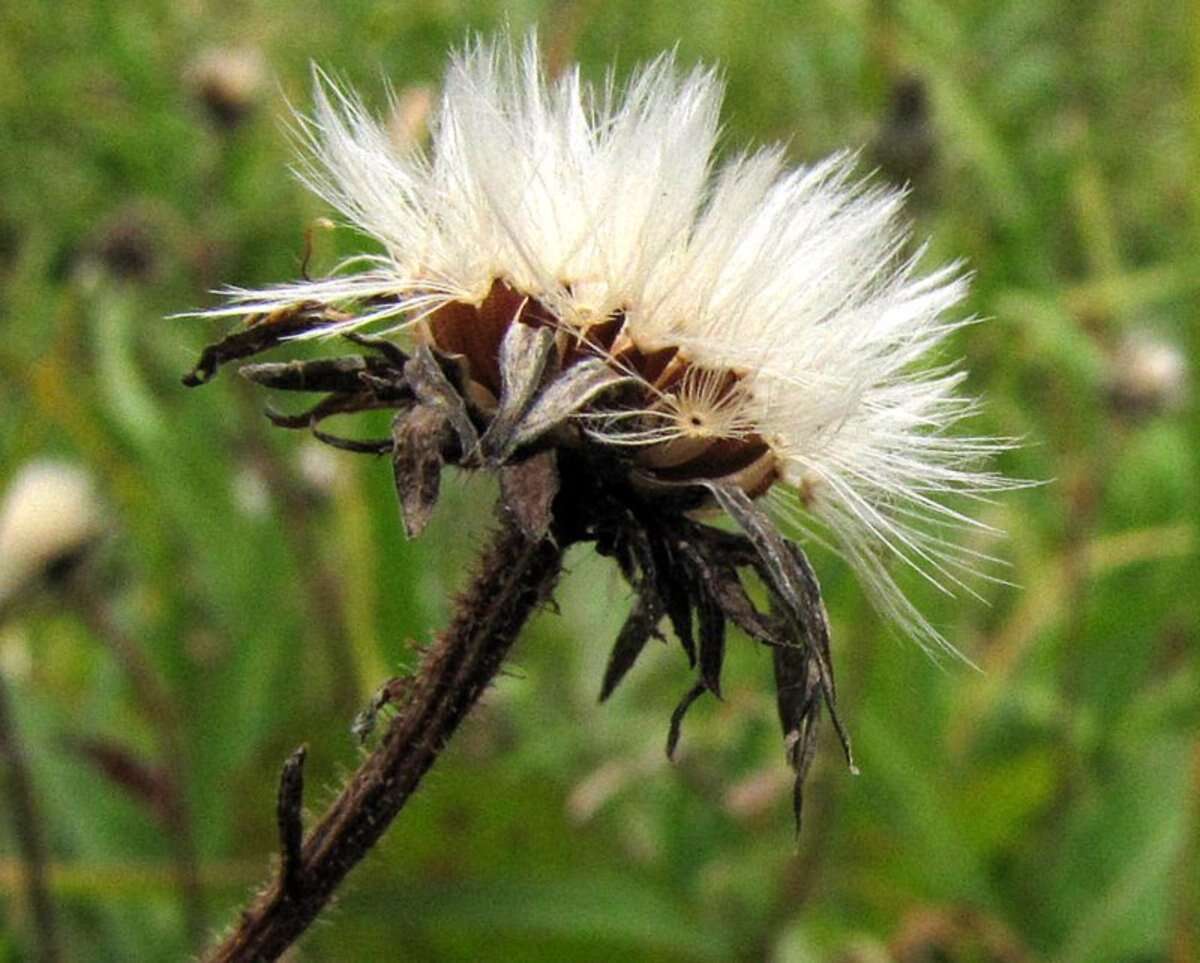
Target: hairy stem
514 576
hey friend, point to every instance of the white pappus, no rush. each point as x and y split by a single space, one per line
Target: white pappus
779 328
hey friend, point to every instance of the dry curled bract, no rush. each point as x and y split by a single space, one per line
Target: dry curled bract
560 481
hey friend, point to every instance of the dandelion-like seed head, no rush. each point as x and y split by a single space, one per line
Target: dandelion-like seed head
574 270
771 323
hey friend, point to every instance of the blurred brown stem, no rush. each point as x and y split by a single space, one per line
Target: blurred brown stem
157 706
28 829
514 576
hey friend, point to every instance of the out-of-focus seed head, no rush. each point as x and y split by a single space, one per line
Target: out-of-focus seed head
228 81
317 466
49 518
905 146
1148 376
125 245
250 491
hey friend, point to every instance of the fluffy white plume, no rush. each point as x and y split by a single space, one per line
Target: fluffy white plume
603 201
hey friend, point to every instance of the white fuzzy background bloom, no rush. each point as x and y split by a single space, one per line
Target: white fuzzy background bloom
49 511
603 200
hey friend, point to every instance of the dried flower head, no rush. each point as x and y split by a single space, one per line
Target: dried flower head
574 273
766 320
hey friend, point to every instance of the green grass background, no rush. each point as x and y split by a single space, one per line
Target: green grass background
1042 808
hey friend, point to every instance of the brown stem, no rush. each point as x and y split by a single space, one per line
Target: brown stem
155 703
515 575
21 803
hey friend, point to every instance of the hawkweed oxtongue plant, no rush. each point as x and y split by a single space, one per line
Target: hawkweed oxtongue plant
572 293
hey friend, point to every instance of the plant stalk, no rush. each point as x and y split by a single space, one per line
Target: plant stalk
514 576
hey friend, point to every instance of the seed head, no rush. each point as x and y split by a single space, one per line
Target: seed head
1147 376
763 327
48 518
227 81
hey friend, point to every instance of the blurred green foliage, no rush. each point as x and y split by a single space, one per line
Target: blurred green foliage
1044 807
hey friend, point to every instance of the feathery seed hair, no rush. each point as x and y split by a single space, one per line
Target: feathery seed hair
768 318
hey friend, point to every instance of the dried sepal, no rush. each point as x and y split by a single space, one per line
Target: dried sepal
568 394
790 577
433 388
343 374
260 335
640 626
816 627
359 446
798 699
694 693
390 351
353 384
419 439
721 578
670 581
528 489
334 404
526 352
710 637
635 540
